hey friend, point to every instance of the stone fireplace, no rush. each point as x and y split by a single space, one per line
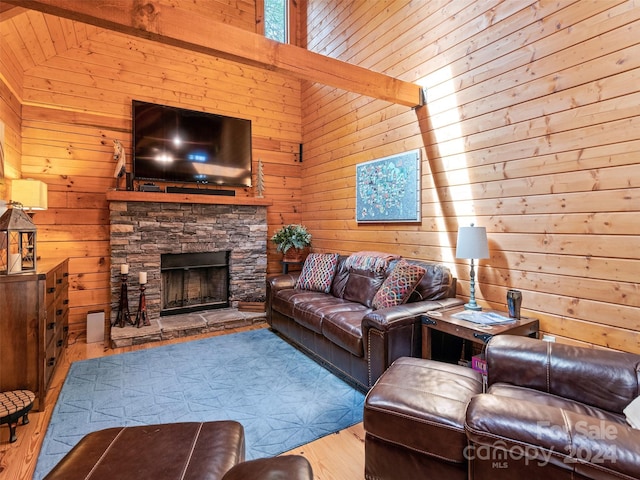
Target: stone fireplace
198 253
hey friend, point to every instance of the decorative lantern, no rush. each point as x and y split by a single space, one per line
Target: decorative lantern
17 242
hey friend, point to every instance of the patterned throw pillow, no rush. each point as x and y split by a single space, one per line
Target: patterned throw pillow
318 272
398 286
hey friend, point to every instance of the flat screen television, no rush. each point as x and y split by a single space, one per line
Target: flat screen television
186 146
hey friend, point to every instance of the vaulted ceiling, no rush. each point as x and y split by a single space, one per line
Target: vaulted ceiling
49 27
33 37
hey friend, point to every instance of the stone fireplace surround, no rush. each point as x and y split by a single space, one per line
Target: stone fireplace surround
145 225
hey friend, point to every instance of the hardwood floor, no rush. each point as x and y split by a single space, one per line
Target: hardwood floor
335 457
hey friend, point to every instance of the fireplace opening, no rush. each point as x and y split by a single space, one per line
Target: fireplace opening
194 281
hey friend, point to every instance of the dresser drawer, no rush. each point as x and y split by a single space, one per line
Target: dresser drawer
50 290
52 356
50 326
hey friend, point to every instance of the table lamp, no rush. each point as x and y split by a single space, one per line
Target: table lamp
31 194
472 244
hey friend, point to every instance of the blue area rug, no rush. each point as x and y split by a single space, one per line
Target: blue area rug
282 398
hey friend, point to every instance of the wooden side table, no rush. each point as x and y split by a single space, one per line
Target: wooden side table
443 321
286 263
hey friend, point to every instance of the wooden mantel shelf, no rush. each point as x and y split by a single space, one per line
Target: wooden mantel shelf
160 197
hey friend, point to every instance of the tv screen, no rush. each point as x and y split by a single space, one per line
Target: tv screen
178 145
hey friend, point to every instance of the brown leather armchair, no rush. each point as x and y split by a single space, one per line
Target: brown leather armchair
550 412
553 411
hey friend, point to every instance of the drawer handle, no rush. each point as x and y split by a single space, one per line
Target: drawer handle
59 343
65 274
59 281
51 289
51 362
59 312
65 301
65 329
51 326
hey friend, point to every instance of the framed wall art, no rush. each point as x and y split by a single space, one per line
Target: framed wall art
388 189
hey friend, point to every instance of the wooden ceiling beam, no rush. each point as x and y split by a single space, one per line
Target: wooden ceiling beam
162 21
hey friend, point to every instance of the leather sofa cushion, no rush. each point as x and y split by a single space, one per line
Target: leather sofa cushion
344 328
313 314
420 405
516 393
435 283
362 285
556 368
286 300
340 278
339 320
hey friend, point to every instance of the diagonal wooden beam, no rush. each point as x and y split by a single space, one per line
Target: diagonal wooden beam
164 22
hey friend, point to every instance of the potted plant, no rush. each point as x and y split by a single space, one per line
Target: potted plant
291 240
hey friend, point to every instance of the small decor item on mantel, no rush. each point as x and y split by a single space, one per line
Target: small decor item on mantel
260 180
291 240
120 157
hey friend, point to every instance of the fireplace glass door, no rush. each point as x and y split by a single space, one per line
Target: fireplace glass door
194 281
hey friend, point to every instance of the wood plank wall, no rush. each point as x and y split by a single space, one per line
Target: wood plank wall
530 129
76 94
11 117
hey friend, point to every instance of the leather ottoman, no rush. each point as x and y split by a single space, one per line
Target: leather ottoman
189 451
414 420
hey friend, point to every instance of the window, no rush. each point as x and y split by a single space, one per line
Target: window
276 20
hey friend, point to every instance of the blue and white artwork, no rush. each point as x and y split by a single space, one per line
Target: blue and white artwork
388 189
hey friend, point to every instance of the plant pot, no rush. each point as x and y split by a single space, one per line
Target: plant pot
295 255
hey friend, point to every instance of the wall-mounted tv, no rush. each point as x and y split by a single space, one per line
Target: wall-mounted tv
186 146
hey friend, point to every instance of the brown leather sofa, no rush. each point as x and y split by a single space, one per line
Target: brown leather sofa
550 411
174 451
341 330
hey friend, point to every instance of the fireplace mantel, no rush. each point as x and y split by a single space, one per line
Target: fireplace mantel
160 197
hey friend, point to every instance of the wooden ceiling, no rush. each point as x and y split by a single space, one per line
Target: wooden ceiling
50 27
32 37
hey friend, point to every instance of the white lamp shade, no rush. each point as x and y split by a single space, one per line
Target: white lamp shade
472 243
32 194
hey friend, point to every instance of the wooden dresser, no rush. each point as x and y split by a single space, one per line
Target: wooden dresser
34 319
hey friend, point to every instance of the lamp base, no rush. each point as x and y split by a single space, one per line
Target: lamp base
472 306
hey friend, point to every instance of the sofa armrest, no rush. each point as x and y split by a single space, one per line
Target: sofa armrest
285 280
279 282
602 378
391 333
392 317
545 434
